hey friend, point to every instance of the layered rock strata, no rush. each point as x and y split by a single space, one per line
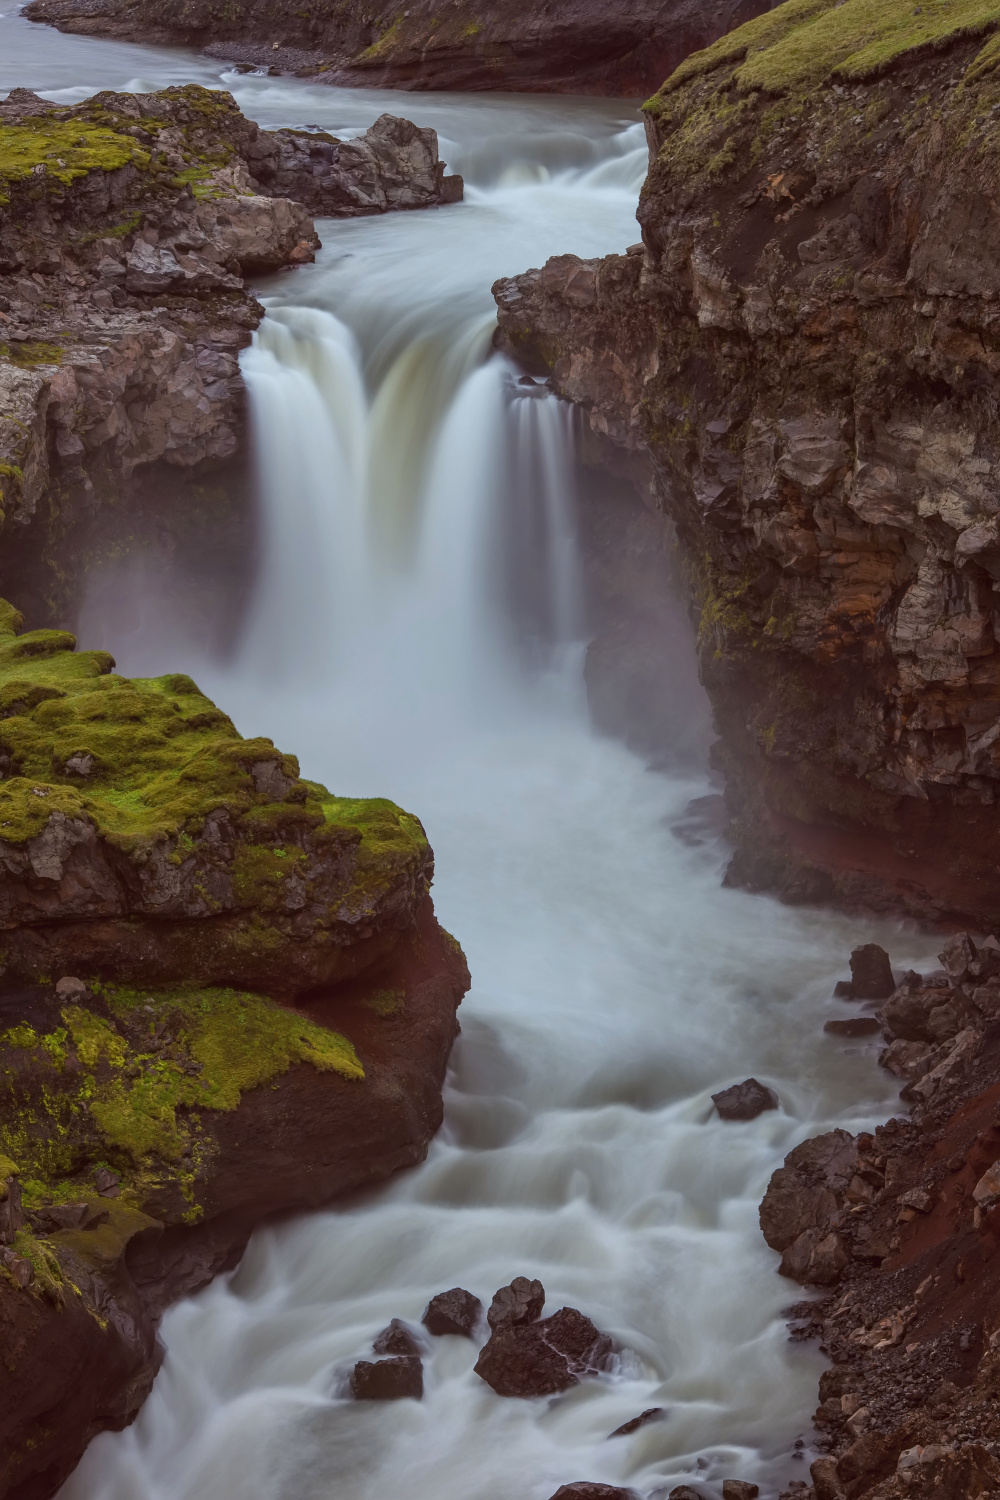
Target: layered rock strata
255 1013
575 46
799 366
128 227
899 1227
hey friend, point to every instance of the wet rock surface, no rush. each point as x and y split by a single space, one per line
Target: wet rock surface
651 1414
541 1358
457 1312
594 47
521 1302
745 1101
397 1339
585 1491
395 1379
798 365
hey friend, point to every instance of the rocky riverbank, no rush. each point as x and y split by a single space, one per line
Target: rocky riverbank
155 1109
798 366
128 227
569 46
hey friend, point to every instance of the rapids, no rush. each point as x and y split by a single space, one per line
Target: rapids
417 631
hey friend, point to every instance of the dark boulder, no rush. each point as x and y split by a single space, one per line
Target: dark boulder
853 1026
388 1379
456 1311
538 1359
739 1489
745 1101
871 973
584 1491
397 1339
685 1492
651 1414
521 1302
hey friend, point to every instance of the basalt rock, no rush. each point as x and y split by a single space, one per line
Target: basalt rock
457 1312
128 226
258 1019
388 1379
800 363
745 1101
584 1491
539 1359
521 1302
397 1339
593 47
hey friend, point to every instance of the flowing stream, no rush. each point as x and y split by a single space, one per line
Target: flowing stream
417 631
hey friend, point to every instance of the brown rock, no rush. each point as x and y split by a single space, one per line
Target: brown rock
826 1481
739 1489
397 1339
745 1101
871 973
651 1414
455 1312
581 1490
388 1379
538 1359
11 1211
804 1193
816 1257
521 1302
853 1026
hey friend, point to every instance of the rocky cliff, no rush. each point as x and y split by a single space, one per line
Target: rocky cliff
576 46
164 884
128 227
800 364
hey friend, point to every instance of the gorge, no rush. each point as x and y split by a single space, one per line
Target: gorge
449 592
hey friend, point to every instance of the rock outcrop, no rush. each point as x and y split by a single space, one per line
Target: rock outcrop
128 225
158 1101
799 364
576 46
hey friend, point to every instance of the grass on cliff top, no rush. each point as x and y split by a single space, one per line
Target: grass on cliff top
148 758
64 149
804 43
127 1090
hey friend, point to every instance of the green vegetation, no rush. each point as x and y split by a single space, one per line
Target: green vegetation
128 1087
62 150
807 42
26 356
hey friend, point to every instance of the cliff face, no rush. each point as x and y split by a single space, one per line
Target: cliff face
574 46
128 225
801 358
158 1101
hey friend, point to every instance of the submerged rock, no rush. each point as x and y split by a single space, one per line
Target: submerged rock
455 1312
651 1414
745 1101
388 1379
397 1339
538 1359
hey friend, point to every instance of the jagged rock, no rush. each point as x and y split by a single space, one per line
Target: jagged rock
745 1101
581 1490
22 1271
11 1210
958 956
739 1489
108 1183
538 1359
521 1302
816 1257
871 973
455 1312
388 1379
803 1195
397 1339
651 1414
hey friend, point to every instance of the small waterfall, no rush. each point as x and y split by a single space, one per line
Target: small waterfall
432 522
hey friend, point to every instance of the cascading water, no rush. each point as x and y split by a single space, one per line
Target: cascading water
416 632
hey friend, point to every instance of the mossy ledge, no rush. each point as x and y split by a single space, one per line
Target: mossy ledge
142 840
223 995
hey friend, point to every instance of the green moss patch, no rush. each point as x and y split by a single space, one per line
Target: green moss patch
128 1082
62 151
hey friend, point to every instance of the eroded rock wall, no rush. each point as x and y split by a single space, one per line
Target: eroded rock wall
804 350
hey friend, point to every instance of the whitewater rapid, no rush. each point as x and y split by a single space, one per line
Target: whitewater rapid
417 630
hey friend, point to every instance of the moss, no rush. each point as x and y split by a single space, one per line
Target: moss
137 1083
27 356
48 1272
386 1002
61 151
385 42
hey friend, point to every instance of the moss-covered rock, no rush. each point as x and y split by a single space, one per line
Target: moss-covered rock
143 840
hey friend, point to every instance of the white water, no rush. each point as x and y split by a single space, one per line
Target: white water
416 632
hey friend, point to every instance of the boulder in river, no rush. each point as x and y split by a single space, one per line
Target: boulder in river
871 973
397 1339
388 1379
651 1414
457 1311
521 1302
853 1026
581 1490
739 1489
745 1101
538 1359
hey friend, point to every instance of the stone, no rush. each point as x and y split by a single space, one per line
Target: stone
853 1026
397 1339
58 1216
71 991
871 973
685 1492
107 1182
80 764
455 1312
651 1414
745 1101
582 1490
18 1267
11 1210
806 1191
739 1489
958 956
826 1481
539 1359
817 1257
521 1302
388 1379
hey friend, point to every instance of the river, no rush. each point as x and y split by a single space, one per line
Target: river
417 631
